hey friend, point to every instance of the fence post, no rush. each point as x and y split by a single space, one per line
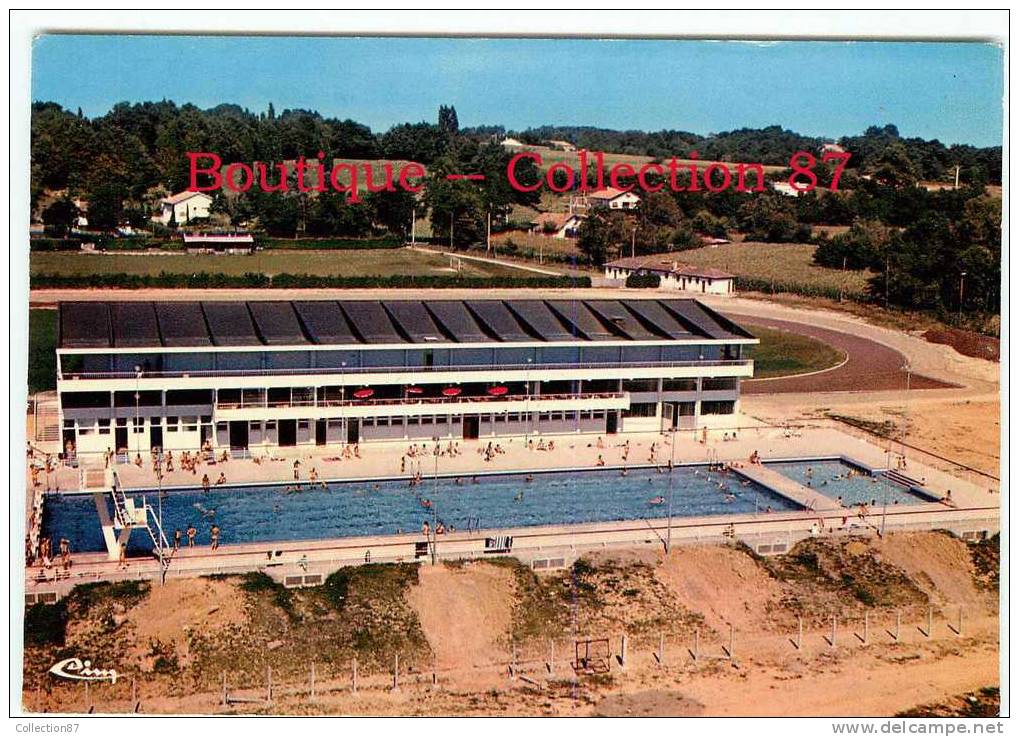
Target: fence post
898 624
435 677
396 672
135 703
311 691
622 652
551 657
268 684
732 640
225 698
834 627
661 649
930 621
799 634
866 628
354 679
959 630
696 644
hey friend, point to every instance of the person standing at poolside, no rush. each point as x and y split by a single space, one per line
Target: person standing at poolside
205 482
176 539
191 532
297 470
214 537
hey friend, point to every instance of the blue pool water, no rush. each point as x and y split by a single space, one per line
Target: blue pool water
350 508
831 478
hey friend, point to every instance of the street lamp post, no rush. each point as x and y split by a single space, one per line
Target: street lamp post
962 283
672 471
137 410
435 513
527 403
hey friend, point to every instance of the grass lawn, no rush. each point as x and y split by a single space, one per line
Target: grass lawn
42 346
781 353
371 262
779 263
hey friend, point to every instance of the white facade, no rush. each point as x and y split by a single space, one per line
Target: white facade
621 201
132 400
678 281
183 207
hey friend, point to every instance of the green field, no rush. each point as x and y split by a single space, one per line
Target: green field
42 346
781 353
374 262
781 264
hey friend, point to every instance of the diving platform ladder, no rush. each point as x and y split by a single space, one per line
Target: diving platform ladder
127 515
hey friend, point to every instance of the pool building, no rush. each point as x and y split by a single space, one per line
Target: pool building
260 375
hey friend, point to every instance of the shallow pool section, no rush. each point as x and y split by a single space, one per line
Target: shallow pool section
351 508
836 478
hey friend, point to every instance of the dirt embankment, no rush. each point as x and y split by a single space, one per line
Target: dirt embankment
466 619
465 613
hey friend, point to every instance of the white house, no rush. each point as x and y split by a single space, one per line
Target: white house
183 207
557 224
672 274
513 143
614 199
786 188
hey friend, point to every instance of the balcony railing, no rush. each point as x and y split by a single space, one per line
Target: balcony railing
415 401
348 371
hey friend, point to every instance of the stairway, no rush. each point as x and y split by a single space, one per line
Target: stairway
901 478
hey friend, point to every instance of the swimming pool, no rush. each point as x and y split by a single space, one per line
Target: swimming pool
365 507
833 478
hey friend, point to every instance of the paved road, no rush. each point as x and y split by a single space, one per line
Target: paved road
871 366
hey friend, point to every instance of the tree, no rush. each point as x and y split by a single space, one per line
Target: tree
448 122
60 216
861 247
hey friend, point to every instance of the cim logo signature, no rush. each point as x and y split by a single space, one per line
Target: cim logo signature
81 670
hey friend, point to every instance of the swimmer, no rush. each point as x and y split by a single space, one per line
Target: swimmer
426 503
656 501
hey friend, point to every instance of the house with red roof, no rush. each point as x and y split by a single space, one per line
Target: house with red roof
183 207
673 274
557 224
614 199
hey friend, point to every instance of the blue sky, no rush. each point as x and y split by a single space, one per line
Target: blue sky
948 91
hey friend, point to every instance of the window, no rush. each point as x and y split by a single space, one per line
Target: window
427 420
256 426
720 384
413 420
104 426
679 385
642 409
718 408
382 422
139 424
270 425
302 425
640 385
190 424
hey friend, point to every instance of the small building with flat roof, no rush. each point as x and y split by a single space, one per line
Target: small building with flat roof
673 274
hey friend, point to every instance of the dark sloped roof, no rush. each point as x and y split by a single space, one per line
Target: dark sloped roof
652 313
581 321
84 325
134 324
324 322
276 323
496 316
353 322
613 313
182 324
540 320
415 322
458 321
230 323
371 322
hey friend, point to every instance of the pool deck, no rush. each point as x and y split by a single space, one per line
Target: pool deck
804 496
975 506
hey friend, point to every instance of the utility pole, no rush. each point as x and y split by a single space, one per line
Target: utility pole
957 167
413 225
672 467
488 237
962 283
633 243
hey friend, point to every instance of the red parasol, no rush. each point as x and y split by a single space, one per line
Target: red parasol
451 391
497 391
363 393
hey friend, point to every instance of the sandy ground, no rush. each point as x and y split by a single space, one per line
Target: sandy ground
704 579
465 613
938 564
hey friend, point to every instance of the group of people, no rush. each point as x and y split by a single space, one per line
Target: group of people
540 445
46 560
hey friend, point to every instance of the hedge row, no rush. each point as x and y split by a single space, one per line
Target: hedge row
330 244
207 280
643 281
